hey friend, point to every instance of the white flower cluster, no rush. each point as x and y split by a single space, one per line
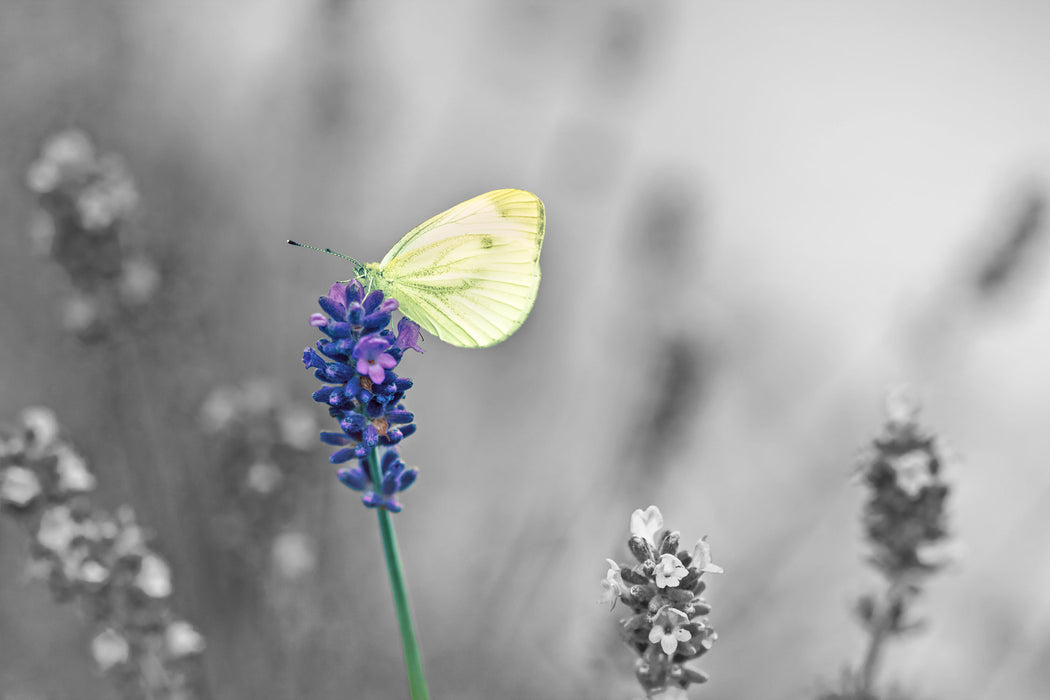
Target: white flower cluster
663 591
101 559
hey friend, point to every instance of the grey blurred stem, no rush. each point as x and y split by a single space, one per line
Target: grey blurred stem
880 628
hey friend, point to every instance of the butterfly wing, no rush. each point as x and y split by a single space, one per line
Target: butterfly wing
470 274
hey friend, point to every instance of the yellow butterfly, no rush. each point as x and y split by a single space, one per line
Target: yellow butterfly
468 275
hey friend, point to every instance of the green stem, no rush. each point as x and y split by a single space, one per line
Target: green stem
417 684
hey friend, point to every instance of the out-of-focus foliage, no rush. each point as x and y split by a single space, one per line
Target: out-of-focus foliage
101 560
86 200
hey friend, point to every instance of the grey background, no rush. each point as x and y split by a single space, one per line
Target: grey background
765 213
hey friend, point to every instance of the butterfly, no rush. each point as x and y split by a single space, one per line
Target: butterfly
468 275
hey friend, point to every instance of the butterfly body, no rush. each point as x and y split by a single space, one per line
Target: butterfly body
470 274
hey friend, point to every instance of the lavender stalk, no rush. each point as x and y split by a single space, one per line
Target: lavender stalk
356 361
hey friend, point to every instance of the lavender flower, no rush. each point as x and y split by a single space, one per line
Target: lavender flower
667 626
906 527
102 560
86 201
905 516
259 442
356 360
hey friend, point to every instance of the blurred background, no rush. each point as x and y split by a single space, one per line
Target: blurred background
761 216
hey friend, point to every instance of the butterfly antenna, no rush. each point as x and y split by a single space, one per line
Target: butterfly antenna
325 250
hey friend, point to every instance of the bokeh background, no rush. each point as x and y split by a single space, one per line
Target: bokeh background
760 217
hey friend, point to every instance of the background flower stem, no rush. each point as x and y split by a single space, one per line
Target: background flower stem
413 659
872 656
881 628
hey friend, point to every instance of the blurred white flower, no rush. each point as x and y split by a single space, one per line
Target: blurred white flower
182 640
68 155
264 477
940 553
902 405
93 573
294 554
69 149
19 486
913 471
219 409
57 529
43 176
96 209
42 424
139 281
129 538
109 649
106 198
258 395
154 577
80 313
298 427
73 473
